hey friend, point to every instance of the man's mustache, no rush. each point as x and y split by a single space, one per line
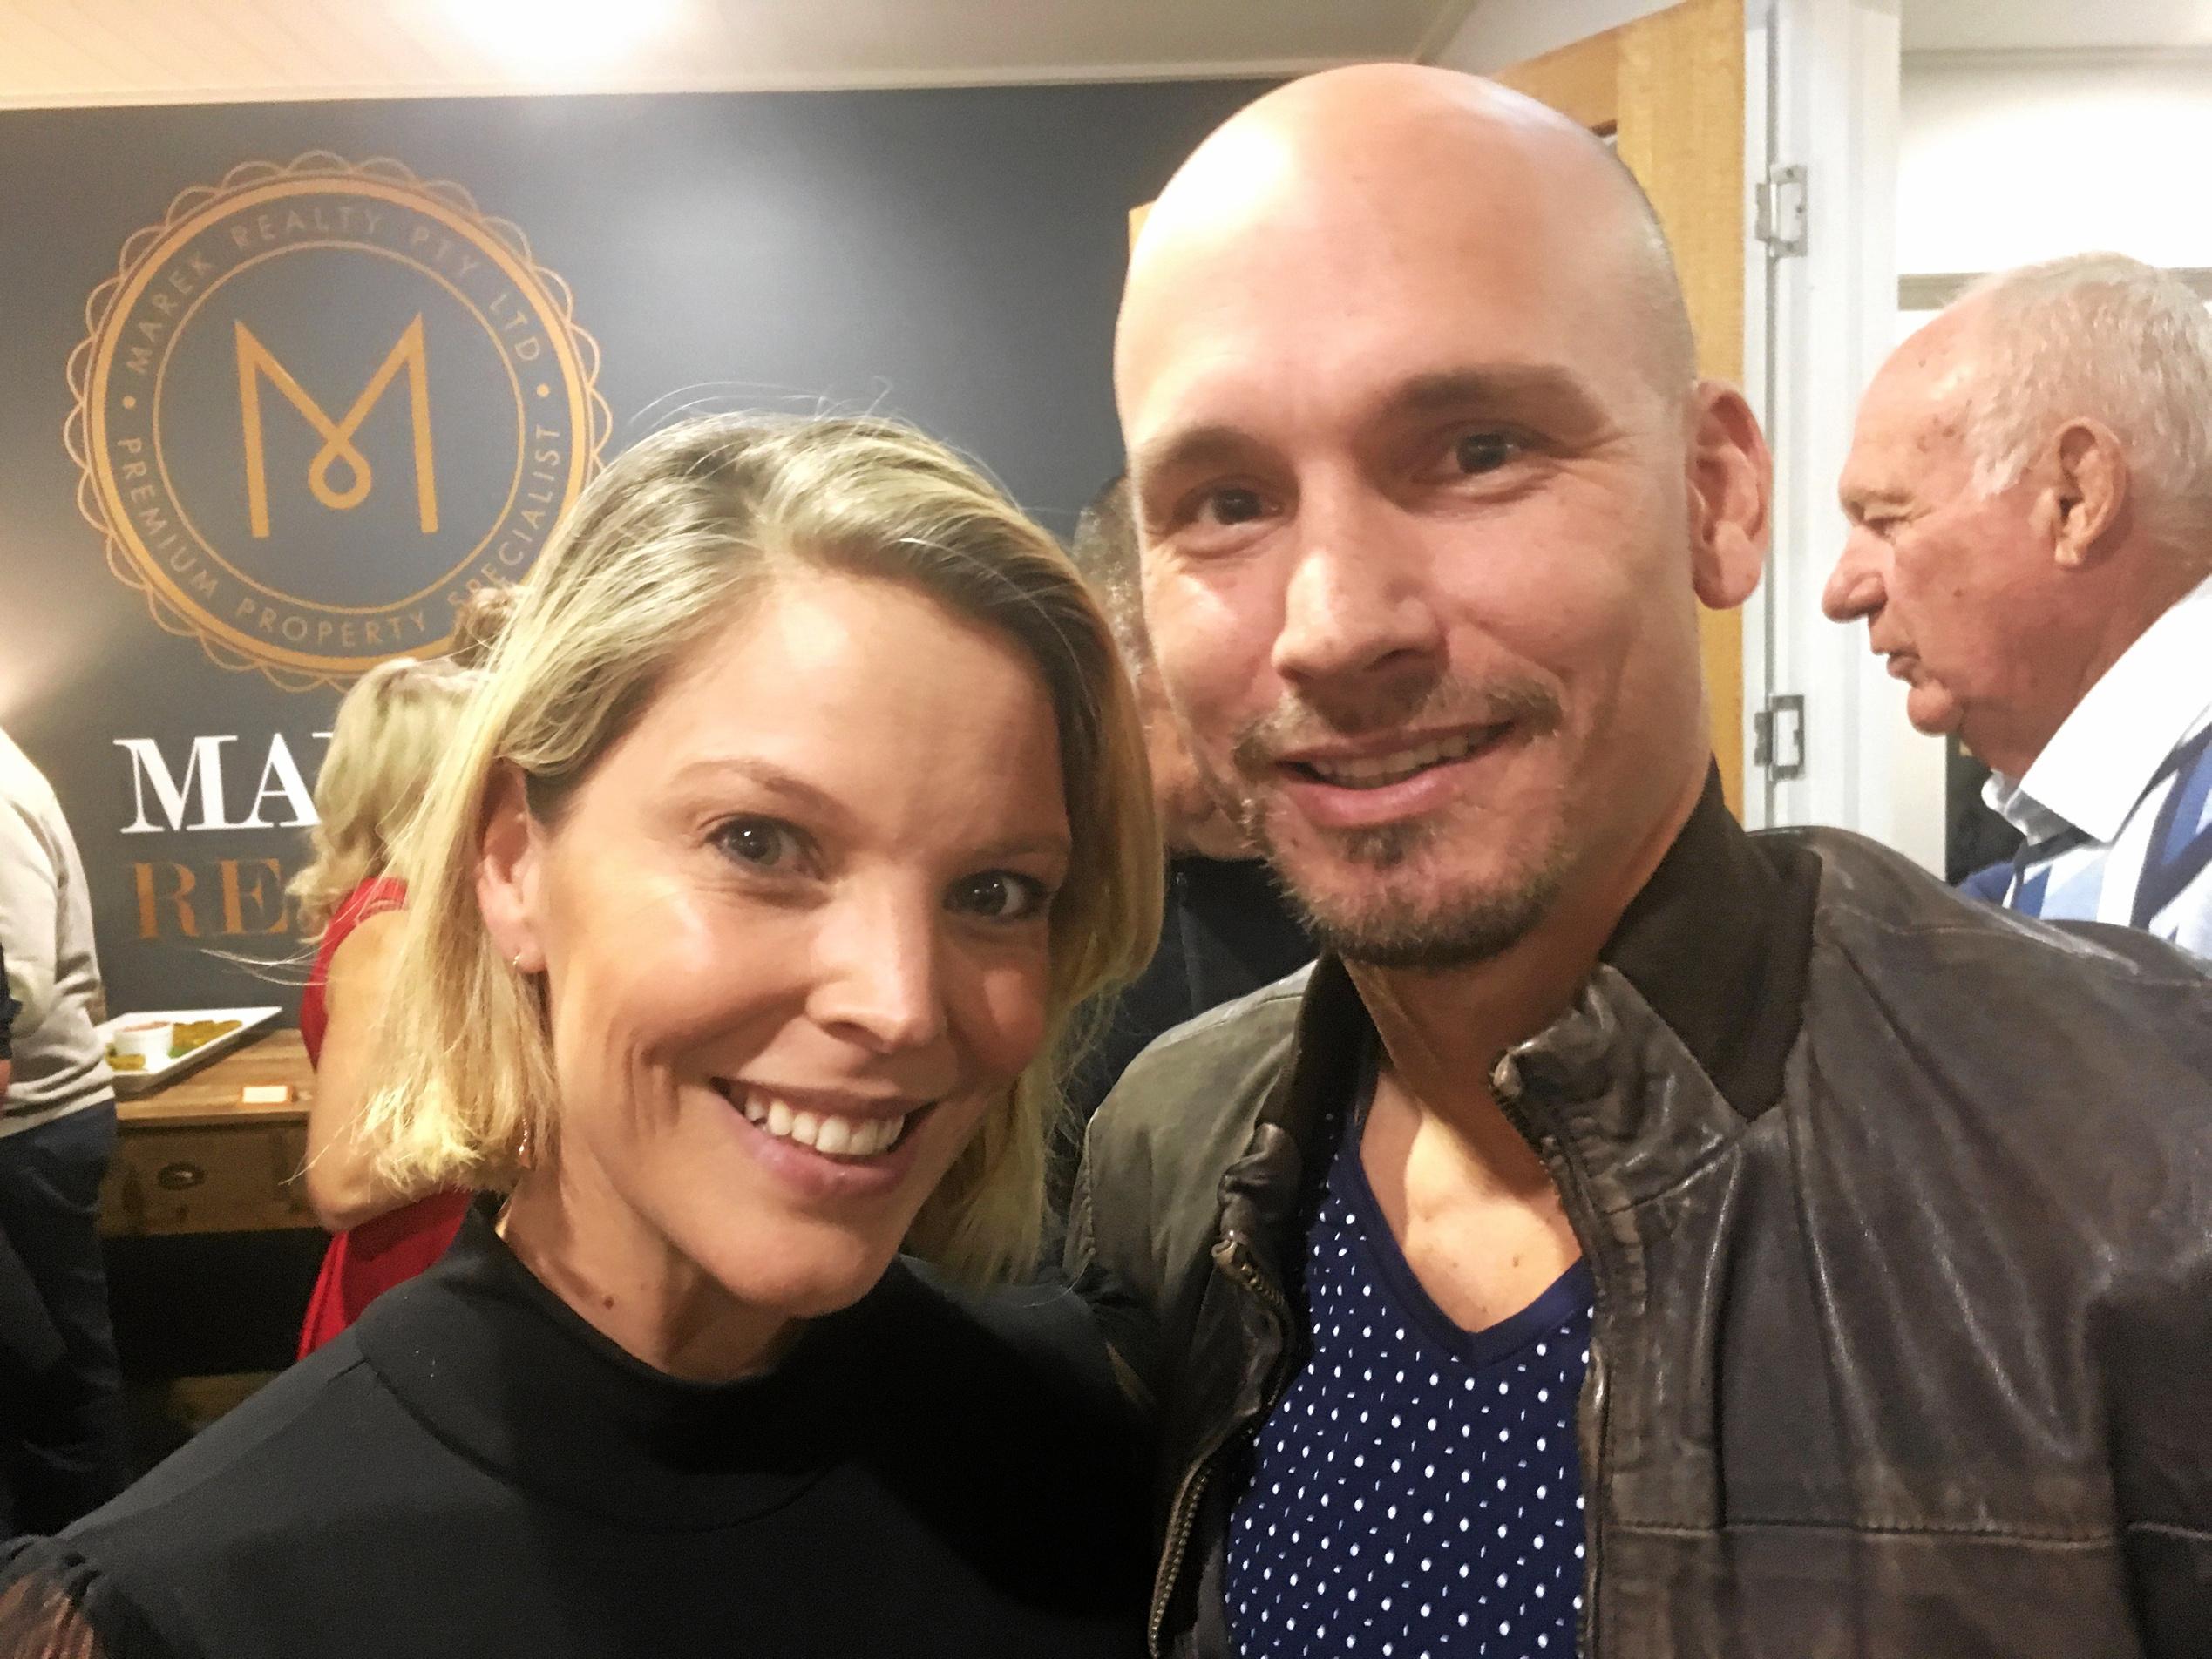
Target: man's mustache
1296 723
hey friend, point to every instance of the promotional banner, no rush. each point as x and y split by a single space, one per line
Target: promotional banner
285 382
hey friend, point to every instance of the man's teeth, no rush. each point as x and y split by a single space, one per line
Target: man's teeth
827 1133
1377 771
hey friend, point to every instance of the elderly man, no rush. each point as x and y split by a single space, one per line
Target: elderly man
1633 1235
2030 494
1227 930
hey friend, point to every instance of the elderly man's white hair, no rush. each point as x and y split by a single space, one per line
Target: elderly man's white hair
2107 337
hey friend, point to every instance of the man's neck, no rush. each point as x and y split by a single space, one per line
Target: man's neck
2114 627
1441 1031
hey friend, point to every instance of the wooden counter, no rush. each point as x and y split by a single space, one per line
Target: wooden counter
193 1159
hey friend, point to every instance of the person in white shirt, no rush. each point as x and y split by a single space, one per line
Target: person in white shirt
2029 497
61 1433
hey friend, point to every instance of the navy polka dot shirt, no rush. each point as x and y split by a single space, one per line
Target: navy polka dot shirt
1416 1493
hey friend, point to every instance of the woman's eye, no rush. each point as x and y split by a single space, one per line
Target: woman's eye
1480 452
762 843
999 895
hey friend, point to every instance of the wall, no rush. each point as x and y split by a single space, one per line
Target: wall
1500 32
952 256
2009 158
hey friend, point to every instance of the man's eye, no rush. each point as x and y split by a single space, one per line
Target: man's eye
1479 452
762 843
1230 506
999 895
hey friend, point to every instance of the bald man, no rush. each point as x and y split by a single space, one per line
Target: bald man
2030 496
1633 1236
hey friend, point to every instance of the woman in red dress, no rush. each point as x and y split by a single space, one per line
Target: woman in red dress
384 745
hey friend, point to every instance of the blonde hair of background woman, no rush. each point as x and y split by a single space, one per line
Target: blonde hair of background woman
665 549
391 730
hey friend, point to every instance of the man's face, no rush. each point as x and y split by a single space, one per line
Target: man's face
1417 566
1193 819
1954 584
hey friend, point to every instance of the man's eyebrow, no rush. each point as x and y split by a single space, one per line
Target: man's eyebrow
1489 383
1181 448
1857 500
1443 392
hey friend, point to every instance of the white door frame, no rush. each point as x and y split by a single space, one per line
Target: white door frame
1822 94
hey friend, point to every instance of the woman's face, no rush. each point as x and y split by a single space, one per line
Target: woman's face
793 931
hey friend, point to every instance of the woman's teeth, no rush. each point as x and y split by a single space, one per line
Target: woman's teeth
1374 771
827 1133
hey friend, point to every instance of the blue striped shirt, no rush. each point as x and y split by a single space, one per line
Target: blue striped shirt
2117 809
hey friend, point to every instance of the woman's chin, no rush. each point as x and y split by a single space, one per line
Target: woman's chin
803 1278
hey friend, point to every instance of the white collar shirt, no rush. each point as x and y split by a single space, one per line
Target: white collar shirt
2117 809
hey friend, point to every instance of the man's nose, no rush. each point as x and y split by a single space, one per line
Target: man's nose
1855 586
1359 598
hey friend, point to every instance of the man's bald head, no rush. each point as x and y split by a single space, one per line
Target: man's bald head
1405 149
1430 493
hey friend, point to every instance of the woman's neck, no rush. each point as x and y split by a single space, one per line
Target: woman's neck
631 1285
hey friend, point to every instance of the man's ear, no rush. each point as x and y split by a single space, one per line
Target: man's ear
510 869
2085 506
1732 489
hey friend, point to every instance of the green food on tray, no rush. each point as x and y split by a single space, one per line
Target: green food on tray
192 1033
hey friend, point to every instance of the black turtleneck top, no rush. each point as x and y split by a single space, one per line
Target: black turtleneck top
474 1470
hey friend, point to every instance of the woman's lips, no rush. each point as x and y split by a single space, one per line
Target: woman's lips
823 1142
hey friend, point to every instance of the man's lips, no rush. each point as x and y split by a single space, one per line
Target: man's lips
1393 780
1378 765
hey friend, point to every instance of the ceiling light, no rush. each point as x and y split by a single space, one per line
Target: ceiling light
541 41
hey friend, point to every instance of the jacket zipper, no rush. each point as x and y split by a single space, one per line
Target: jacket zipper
1182 1514
1563 1172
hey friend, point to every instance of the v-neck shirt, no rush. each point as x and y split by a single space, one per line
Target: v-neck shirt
1416 1493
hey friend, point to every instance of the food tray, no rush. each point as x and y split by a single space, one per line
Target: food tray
168 1070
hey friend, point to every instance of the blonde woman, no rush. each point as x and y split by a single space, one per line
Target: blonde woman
390 729
805 801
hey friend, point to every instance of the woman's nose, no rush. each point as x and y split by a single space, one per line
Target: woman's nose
879 979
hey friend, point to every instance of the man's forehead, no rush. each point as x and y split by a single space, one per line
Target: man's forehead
1332 269
1257 334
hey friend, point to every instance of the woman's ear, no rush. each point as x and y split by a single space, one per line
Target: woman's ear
1732 487
510 867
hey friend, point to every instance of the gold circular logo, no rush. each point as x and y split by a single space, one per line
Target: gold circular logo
318 404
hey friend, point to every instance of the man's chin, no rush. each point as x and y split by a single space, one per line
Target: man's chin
1933 711
1398 917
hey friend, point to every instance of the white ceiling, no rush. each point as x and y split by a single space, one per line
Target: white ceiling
2056 25
151 51
57 52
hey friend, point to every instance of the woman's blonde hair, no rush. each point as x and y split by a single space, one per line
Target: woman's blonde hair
478 621
662 551
390 729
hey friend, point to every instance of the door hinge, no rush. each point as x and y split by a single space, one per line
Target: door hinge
1778 737
1779 212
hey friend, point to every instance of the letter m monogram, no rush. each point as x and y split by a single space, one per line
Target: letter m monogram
256 362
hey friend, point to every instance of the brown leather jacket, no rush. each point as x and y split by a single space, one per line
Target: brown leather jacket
1899 1211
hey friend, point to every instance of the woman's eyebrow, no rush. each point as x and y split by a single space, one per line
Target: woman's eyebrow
764 775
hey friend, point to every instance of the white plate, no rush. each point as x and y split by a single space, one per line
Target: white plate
169 1071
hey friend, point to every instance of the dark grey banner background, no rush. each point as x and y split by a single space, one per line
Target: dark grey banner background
952 257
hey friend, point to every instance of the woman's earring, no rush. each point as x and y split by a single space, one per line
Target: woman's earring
522 1150
517 964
